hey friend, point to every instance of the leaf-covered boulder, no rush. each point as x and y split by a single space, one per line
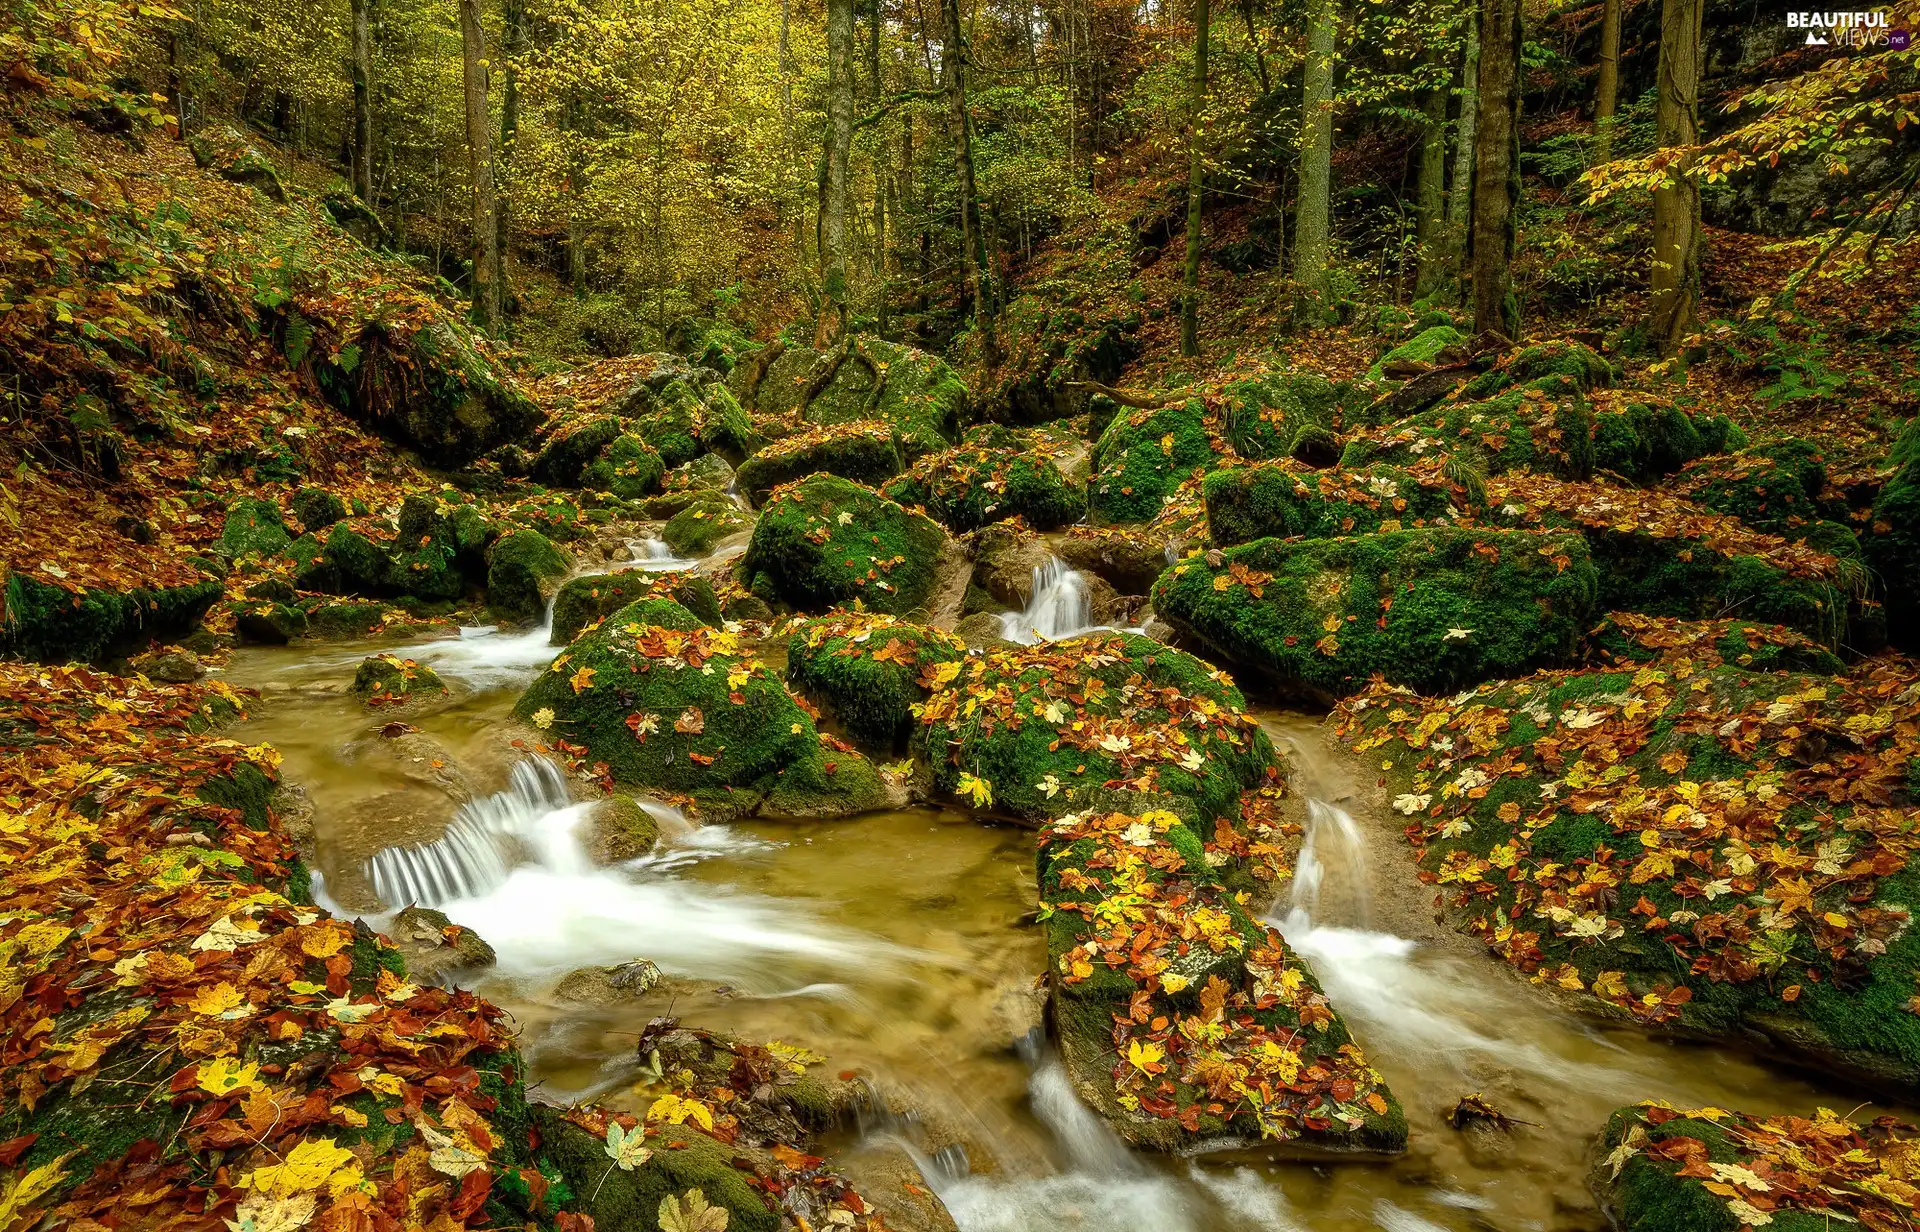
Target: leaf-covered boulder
523 567
993 477
1291 412
1634 638
571 446
869 672
1522 428
1713 850
1142 457
1429 347
1031 732
1644 438
253 528
629 468
696 529
48 623
1434 609
672 705
387 680
1192 1026
865 451
1561 366
824 542
1285 500
591 597
1667 1169
915 393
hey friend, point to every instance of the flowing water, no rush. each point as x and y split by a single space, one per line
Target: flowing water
899 945
1058 607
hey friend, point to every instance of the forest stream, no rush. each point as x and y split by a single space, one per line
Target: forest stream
900 946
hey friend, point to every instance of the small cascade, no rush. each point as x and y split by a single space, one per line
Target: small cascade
484 658
654 556
1332 838
471 858
1058 606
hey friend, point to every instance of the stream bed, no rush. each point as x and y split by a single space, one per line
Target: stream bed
900 946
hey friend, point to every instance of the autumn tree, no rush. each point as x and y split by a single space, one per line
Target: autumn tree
832 316
362 75
486 237
1676 202
953 66
1196 182
1313 214
1606 94
1496 182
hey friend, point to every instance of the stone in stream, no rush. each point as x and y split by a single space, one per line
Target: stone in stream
709 518
390 682
627 981
1696 847
996 474
523 567
869 672
865 451
594 596
1435 609
1142 457
673 705
619 830
825 542
435 948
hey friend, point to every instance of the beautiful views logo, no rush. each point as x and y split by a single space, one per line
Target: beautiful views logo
1860 28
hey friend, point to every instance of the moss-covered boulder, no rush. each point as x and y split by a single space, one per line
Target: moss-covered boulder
630 468
685 412
571 446
672 705
343 561
1644 438
1893 542
318 508
436 387
1435 609
226 151
1291 412
346 620
617 830
426 552
386 680
1665 1169
594 596
826 542
1428 348
1284 500
865 451
696 529
914 392
1522 428
1716 851
869 671
253 528
1559 367
1774 487
49 623
1029 732
995 478
1633 638
1194 1027
523 567
1142 457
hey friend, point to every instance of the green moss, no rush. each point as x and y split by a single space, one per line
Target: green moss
594 596
826 542
318 508
519 568
1285 500
866 452
349 564
1423 348
253 528
1434 609
1142 457
1774 487
833 661
990 480
50 624
1506 433
383 678
631 1199
694 530
1644 441
630 468
1268 416
564 459
1559 368
347 621
670 422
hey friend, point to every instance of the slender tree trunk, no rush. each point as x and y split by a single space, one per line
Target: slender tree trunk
177 36
514 46
953 70
486 236
1313 214
1460 191
832 319
1676 203
1496 182
1253 41
1606 98
363 100
1431 196
881 173
1196 180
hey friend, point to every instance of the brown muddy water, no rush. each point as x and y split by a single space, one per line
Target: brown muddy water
899 945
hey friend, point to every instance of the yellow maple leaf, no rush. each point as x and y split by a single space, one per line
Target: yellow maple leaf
675 1110
307 1166
214 999
226 1075
1141 1056
581 680
318 941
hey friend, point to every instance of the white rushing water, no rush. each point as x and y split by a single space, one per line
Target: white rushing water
1058 607
515 868
655 556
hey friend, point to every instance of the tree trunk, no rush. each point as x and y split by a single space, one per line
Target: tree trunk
1253 41
832 318
363 101
1606 98
1460 193
953 71
1676 203
1496 177
1196 180
515 45
1431 196
486 236
1313 214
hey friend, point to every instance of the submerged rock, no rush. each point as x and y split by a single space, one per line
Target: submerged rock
627 981
619 830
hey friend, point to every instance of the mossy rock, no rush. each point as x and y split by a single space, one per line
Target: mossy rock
1561 367
1646 440
869 673
1284 500
522 567
594 596
1423 348
673 706
572 448
226 152
1142 457
1625 637
1523 428
826 542
1434 609
347 620
618 830
631 1199
1273 415
46 623
267 622
971 485
1041 726
866 452
343 562
389 680
682 417
630 468
253 528
426 552
1893 544
694 530
436 387
918 394
1774 487
318 508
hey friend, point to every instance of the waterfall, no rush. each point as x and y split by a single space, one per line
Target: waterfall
1332 837
1058 606
654 556
484 658
471 858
